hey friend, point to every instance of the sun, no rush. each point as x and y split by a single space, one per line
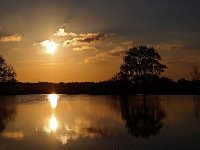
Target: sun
51 47
53 124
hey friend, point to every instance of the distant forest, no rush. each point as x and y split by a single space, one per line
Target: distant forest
160 86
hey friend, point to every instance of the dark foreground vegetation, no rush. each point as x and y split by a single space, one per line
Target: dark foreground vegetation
160 86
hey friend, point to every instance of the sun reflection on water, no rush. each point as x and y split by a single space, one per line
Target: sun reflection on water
53 99
53 124
67 131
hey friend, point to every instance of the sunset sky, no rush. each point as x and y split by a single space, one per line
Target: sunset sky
91 36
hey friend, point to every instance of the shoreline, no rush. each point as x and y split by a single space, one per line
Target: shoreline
101 88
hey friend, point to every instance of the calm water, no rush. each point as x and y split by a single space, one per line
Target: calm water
86 122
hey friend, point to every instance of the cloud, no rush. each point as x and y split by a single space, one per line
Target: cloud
118 51
84 48
11 38
102 57
44 43
72 34
78 41
97 59
61 33
115 52
90 37
169 46
85 39
73 42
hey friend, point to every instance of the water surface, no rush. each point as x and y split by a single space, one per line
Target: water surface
85 122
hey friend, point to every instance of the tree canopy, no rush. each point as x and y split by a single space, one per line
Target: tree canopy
7 72
141 62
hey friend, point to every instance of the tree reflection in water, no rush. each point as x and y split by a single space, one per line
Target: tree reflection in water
196 106
7 114
143 116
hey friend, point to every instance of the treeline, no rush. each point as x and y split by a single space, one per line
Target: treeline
140 73
157 86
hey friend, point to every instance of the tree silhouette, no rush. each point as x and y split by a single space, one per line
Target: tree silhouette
143 117
141 63
7 72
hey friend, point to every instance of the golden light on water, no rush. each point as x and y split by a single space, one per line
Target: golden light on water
53 99
53 124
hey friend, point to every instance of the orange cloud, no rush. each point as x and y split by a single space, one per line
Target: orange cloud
61 33
97 59
84 48
11 38
90 37
104 56
118 51
86 38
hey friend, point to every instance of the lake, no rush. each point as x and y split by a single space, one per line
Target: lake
91 122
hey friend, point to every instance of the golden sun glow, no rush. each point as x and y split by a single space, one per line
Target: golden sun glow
53 99
50 46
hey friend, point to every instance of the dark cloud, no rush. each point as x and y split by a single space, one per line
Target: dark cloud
91 37
85 40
